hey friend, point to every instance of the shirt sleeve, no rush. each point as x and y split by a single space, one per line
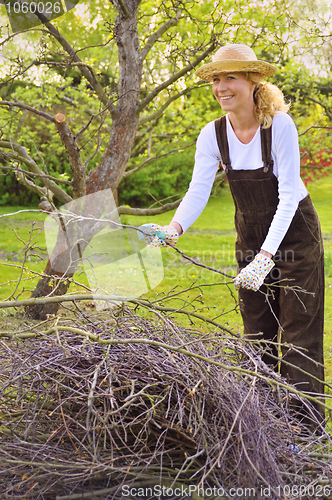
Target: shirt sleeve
206 165
285 151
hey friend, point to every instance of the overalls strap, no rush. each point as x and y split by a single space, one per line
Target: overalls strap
221 133
266 144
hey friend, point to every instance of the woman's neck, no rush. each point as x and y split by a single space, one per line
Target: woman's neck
245 126
244 119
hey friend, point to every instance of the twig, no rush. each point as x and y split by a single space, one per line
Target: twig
236 369
199 264
163 401
156 157
28 108
174 78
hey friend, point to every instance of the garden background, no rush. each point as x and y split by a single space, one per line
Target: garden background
104 96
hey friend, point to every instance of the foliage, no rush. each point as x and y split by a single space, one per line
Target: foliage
165 178
53 84
316 162
12 193
95 98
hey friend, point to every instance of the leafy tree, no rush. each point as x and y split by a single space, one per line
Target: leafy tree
93 102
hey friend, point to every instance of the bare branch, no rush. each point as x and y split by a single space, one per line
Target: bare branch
94 46
31 185
159 112
109 298
154 37
20 125
89 112
85 127
20 154
32 174
313 126
72 102
124 210
92 117
120 7
90 76
17 33
174 78
199 264
220 177
19 73
156 157
74 155
28 108
99 142
327 111
160 202
66 65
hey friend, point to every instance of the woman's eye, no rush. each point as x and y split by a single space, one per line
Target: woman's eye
216 79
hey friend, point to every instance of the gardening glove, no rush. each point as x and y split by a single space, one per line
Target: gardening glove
253 275
158 236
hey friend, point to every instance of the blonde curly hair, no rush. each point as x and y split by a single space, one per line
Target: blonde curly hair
268 98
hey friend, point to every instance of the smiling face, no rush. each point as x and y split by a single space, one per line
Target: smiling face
234 92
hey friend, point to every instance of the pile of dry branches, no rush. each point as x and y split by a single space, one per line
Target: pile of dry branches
89 409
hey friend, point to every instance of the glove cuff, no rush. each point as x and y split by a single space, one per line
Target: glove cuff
172 235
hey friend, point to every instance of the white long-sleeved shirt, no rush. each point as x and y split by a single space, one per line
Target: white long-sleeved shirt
286 157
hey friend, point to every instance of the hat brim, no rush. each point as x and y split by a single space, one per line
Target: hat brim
208 71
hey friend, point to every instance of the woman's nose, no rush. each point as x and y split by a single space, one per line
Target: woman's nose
222 85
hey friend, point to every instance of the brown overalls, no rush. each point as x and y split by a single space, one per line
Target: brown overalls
299 259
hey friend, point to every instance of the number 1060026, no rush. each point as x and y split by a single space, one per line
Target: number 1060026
33 7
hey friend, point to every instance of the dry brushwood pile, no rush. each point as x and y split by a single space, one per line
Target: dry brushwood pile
89 408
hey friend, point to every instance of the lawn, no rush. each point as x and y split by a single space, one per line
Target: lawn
210 241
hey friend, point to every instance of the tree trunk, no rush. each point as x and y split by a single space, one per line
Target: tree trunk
113 164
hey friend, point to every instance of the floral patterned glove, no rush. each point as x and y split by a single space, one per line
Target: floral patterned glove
158 236
253 275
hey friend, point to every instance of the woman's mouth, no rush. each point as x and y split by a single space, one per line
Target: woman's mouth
226 97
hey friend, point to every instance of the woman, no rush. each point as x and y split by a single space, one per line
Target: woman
278 231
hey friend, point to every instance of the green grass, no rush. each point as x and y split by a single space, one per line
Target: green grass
19 232
210 240
320 192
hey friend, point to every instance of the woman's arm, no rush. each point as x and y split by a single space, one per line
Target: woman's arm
207 158
206 166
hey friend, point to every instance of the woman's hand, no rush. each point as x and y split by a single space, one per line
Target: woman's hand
157 236
253 275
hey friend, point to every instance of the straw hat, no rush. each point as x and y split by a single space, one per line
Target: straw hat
234 58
